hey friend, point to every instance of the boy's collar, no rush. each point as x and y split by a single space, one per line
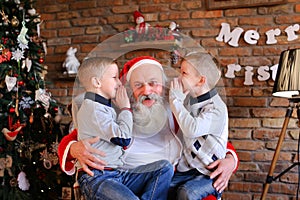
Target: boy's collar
97 98
205 96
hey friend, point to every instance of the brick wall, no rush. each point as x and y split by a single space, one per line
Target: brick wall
256 117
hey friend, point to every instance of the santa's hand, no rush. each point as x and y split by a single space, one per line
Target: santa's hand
176 91
122 99
222 173
83 152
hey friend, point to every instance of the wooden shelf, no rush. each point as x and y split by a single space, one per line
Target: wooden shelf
156 44
66 77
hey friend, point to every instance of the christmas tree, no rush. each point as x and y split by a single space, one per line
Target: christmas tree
29 167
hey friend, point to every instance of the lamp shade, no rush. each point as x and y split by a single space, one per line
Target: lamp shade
287 81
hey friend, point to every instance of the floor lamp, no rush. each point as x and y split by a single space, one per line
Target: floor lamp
287 85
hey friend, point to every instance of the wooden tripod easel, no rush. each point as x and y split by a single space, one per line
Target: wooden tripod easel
270 178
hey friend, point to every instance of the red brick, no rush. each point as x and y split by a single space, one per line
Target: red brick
207 14
58 41
266 20
235 52
85 22
240 12
55 8
67 15
71 31
283 9
57 24
78 5
297 8
124 9
204 33
283 19
253 102
244 123
248 145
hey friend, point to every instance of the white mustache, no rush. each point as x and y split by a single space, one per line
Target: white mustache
151 97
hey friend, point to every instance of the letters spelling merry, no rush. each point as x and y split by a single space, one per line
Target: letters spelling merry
251 37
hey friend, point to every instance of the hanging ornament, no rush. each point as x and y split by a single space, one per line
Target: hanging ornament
22 35
21 83
42 96
31 118
38 27
5 55
10 82
23 46
53 158
23 182
41 60
28 64
13 182
54 146
17 55
14 21
47 164
31 11
11 110
4 40
11 135
26 102
5 165
44 44
5 18
45 158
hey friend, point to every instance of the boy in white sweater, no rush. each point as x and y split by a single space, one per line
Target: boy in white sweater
203 121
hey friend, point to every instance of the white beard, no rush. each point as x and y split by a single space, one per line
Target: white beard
148 121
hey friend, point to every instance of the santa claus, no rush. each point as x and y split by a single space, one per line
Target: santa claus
155 130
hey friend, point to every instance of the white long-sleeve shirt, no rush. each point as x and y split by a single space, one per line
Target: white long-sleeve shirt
97 118
204 125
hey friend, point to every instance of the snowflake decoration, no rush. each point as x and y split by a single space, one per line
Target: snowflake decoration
26 102
17 55
23 46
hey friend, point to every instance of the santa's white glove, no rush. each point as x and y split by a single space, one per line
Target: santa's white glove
176 91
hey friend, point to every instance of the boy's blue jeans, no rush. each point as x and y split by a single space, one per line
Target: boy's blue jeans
191 185
145 182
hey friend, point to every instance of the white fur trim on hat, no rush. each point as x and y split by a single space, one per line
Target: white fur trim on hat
141 62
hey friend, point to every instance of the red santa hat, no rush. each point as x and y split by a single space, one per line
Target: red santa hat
135 63
137 14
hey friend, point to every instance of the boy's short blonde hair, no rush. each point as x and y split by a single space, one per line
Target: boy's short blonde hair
206 65
93 67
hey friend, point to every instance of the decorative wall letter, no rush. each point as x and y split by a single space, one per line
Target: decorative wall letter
251 36
271 36
274 71
233 37
290 31
231 69
248 75
263 73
